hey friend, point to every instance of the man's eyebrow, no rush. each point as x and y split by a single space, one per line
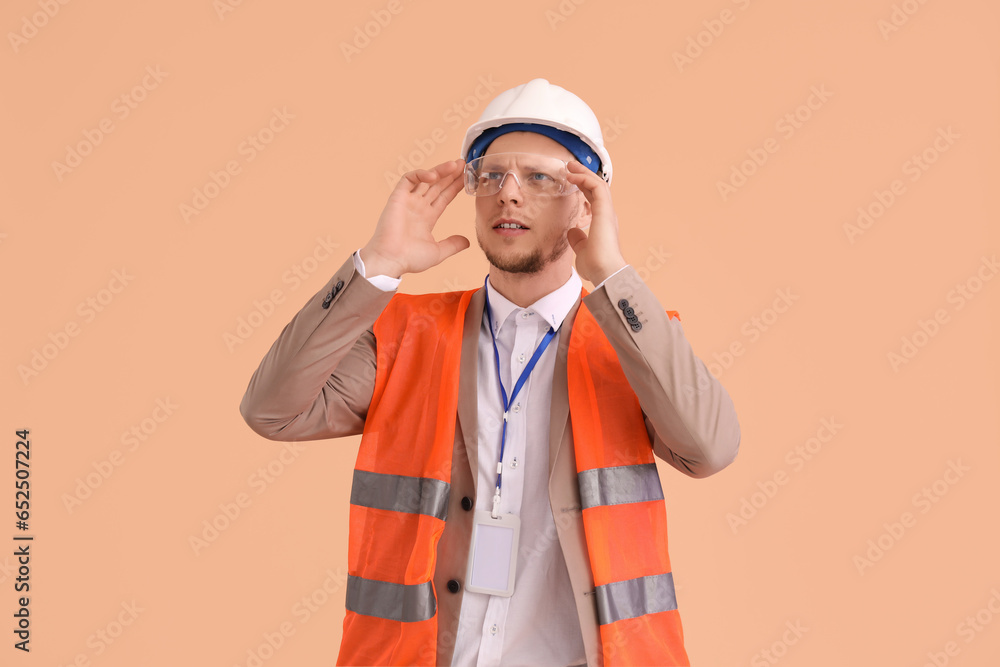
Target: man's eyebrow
498 166
534 165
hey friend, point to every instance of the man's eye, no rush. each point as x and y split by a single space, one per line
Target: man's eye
492 175
540 176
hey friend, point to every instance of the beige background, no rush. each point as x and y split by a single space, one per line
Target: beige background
894 77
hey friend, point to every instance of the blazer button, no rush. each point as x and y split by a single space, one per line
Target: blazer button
454 586
466 503
629 312
623 304
328 299
636 326
339 286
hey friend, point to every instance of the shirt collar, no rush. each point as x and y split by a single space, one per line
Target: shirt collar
552 308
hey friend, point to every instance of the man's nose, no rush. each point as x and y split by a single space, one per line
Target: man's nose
513 191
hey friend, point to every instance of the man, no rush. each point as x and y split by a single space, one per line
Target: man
506 507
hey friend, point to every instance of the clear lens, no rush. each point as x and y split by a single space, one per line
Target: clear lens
536 175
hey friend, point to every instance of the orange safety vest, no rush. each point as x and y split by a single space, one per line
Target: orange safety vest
399 496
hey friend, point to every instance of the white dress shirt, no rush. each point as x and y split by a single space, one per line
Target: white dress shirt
538 624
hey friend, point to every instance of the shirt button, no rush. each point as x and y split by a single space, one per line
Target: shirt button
513 464
494 629
525 314
520 358
517 407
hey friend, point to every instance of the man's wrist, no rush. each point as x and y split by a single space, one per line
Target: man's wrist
378 265
602 273
383 282
612 275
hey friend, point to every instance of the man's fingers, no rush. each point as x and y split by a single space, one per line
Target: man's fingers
420 177
423 181
597 192
588 182
448 190
449 172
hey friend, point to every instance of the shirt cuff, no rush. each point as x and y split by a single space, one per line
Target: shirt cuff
384 283
596 287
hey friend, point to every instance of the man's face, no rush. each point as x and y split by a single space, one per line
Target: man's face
545 219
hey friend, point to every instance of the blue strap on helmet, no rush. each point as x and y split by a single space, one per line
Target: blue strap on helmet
574 144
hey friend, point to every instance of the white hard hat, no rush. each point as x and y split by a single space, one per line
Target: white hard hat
539 102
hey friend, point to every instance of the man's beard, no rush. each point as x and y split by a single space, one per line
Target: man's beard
533 262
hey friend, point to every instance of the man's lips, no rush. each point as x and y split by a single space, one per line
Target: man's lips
510 225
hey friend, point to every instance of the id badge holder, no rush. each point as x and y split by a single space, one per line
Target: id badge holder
493 554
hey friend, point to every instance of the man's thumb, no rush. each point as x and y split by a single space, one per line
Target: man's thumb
452 245
575 236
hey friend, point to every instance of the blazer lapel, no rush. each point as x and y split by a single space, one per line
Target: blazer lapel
468 394
559 411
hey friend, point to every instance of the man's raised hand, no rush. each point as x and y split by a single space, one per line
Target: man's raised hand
598 253
403 242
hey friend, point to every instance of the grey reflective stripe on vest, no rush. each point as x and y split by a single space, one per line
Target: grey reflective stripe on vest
395 602
416 495
635 597
618 485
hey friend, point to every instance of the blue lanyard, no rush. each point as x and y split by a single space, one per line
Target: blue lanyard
549 335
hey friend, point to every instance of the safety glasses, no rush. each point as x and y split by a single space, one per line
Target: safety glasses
536 175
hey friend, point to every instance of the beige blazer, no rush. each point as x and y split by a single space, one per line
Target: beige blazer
317 380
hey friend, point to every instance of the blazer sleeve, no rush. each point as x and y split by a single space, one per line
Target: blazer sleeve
689 414
317 379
